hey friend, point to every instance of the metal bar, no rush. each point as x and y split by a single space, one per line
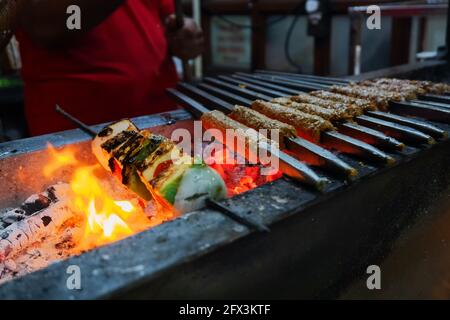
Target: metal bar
435 98
254 80
77 122
320 157
195 108
288 165
304 76
295 169
317 80
377 138
206 97
421 110
346 144
411 122
293 84
429 103
358 148
396 130
249 94
263 90
226 95
211 203
370 136
246 221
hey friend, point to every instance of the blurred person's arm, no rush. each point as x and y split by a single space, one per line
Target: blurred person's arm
45 20
184 43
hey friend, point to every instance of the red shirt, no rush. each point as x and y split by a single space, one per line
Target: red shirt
119 69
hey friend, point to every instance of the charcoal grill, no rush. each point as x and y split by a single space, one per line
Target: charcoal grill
318 242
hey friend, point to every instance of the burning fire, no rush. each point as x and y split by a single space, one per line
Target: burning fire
239 178
106 218
62 158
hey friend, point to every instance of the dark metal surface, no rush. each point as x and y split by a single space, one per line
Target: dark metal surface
318 244
315 241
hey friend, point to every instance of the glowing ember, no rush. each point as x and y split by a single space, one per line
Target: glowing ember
107 219
239 178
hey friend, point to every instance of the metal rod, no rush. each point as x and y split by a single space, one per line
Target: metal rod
288 165
390 128
247 93
205 96
77 122
301 147
304 80
303 76
433 113
255 87
264 84
346 144
411 122
231 97
246 221
396 130
293 84
322 157
187 102
435 98
370 136
430 103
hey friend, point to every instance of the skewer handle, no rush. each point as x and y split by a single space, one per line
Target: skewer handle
77 122
250 223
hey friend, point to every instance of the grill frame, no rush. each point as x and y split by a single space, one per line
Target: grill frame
327 239
189 252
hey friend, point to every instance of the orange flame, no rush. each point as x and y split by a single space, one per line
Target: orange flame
61 158
106 219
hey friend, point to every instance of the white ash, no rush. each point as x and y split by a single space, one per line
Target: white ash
57 243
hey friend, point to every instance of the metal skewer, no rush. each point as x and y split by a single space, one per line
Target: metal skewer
210 203
77 122
299 146
288 165
428 106
391 128
351 129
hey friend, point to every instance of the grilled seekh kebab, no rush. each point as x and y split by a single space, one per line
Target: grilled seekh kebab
254 142
389 127
421 87
356 108
339 113
374 112
287 137
342 143
325 111
305 150
425 108
317 129
154 167
289 165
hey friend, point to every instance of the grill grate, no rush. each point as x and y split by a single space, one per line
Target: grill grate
374 139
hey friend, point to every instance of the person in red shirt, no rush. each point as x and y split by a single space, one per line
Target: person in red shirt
117 66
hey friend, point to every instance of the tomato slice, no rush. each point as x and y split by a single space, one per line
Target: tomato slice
117 170
162 167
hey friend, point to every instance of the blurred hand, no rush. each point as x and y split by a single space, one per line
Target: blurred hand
185 43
